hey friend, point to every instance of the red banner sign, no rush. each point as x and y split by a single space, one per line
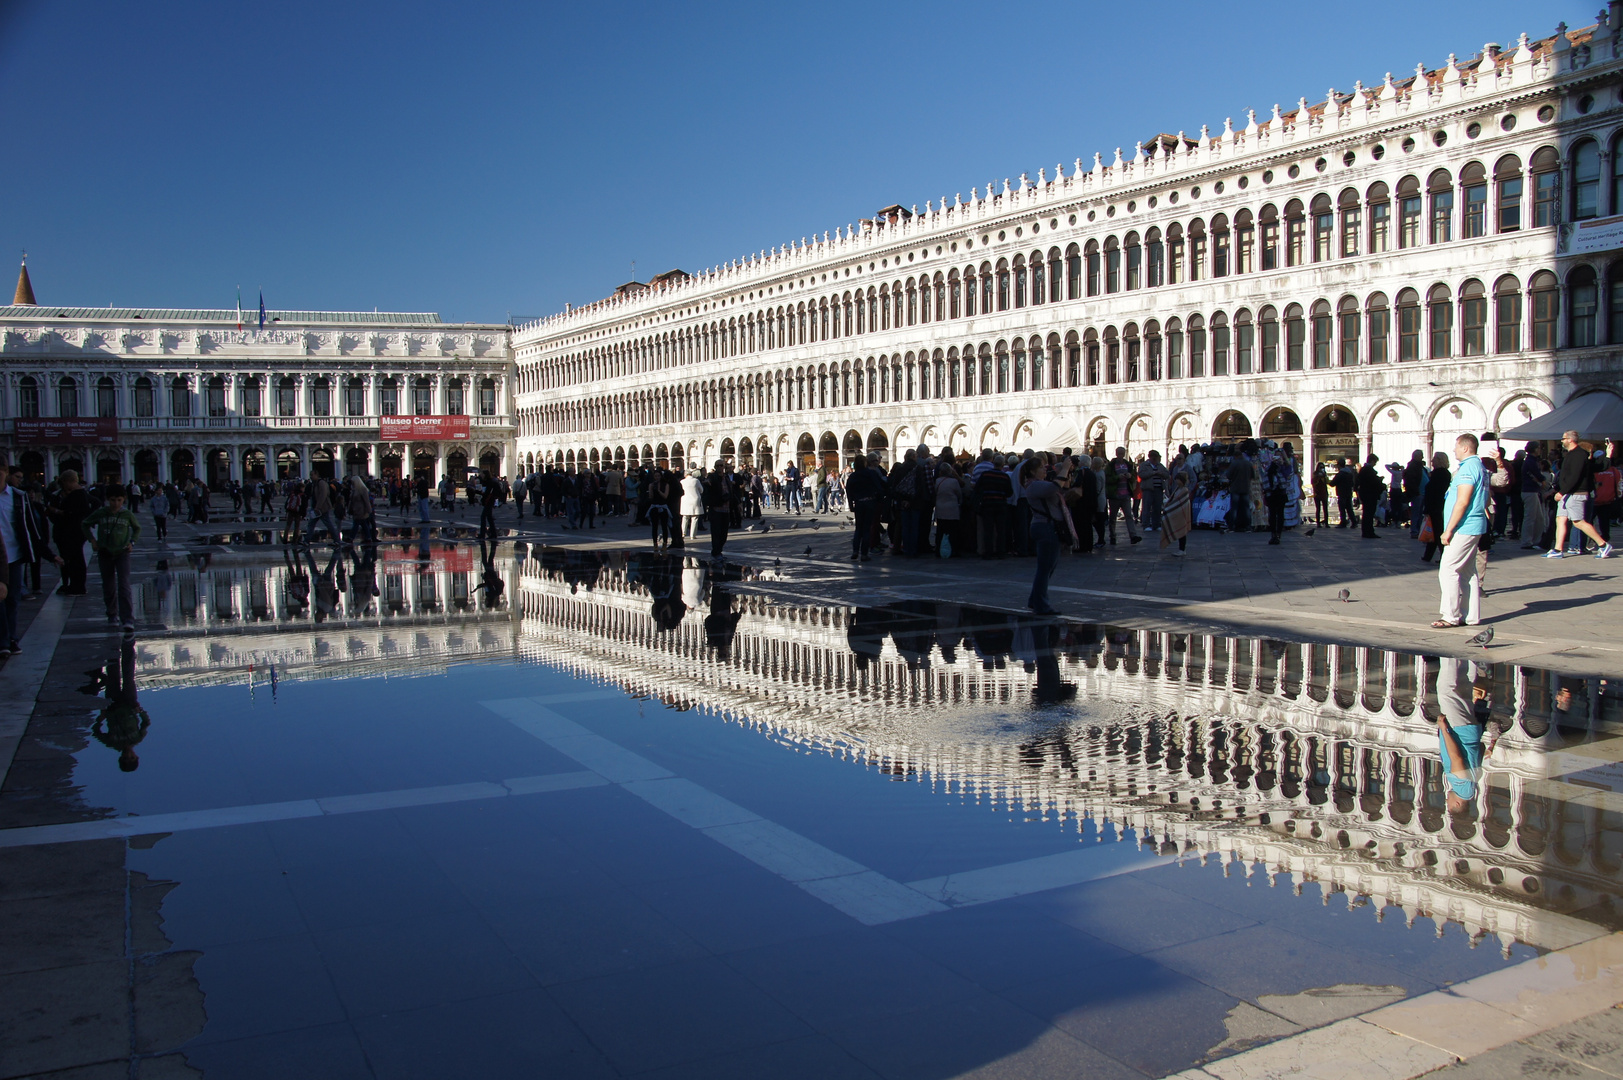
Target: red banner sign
424 427
459 558
68 429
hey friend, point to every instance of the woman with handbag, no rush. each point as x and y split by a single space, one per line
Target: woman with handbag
1436 490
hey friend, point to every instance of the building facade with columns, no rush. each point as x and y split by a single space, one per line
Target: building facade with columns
1378 270
149 394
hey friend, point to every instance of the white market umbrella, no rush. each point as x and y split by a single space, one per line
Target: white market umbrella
1593 416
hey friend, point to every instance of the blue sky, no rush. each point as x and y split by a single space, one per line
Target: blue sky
481 159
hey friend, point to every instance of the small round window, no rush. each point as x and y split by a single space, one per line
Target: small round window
1320 165
1438 138
1586 103
1508 122
1348 158
1377 152
1294 171
1472 130
1546 114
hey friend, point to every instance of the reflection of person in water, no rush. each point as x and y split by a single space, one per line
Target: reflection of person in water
298 582
721 625
490 580
663 574
1050 686
1459 733
122 723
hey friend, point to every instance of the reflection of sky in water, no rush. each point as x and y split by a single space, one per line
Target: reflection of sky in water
1291 764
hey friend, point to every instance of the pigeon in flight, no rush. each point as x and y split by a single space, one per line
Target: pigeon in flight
1483 638
1344 595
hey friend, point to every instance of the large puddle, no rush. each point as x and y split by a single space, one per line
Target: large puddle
1019 768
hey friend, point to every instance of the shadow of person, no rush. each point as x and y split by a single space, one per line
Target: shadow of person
122 723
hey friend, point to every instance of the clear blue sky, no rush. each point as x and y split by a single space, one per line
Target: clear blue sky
478 158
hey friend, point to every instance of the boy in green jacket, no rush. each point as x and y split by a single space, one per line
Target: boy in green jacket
112 531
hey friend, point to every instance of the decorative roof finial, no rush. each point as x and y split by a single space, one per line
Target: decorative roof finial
25 287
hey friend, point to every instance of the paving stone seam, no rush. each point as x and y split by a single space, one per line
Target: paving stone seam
1488 1012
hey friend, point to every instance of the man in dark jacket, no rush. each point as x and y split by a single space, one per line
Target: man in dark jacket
717 488
67 511
1345 481
1575 487
1370 487
1414 486
864 491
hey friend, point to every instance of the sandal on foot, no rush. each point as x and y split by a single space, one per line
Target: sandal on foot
1444 624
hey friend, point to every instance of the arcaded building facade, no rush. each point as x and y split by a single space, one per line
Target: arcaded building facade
1377 271
160 394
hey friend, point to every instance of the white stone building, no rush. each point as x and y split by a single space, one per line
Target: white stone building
152 393
1375 271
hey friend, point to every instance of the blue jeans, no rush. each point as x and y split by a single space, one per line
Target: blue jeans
794 499
1046 542
1417 514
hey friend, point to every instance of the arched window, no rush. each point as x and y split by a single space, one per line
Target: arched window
1019 282
1112 355
388 397
1380 218
455 398
1352 221
1583 302
1585 180
1408 325
1112 266
1441 187
1473 319
28 398
422 397
1073 272
1324 228
1221 247
321 396
1268 225
143 397
1175 246
487 396
1409 212
1155 263
1090 352
180 396
1174 348
1197 347
1323 333
1295 338
1507 179
1245 343
1134 257
1268 333
1039 294
67 397
1132 353
1507 315
1220 344
355 397
1380 328
1018 355
1002 367
1197 251
1440 309
1152 351
1095 286
1474 199
1351 320
106 398
216 396
1003 297
1546 169
1295 233
251 396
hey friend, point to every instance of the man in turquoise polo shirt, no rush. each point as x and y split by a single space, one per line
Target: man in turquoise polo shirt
1459 735
1465 517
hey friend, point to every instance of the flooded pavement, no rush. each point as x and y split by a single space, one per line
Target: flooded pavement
457 809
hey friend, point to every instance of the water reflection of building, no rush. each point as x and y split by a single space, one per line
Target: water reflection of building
1311 762
319 617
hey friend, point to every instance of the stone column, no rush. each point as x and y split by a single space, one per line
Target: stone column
304 461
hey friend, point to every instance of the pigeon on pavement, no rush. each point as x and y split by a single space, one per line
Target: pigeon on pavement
808 549
1483 638
1344 595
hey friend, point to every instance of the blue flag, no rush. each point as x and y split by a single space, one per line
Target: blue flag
262 309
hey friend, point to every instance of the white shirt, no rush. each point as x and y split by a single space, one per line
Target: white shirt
8 533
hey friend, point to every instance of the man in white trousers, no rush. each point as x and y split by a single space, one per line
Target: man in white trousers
1465 517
